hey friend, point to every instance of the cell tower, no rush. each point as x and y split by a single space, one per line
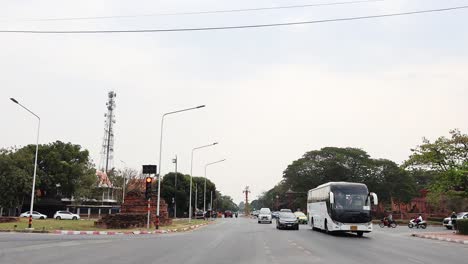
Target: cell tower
107 151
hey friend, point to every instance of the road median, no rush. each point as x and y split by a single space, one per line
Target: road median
86 229
444 236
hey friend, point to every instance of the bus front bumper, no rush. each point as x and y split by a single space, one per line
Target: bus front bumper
345 227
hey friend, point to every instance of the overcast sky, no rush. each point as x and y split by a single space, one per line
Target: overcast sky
271 93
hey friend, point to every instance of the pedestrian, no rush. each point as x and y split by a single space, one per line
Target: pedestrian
453 217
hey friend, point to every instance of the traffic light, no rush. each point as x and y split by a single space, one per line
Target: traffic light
149 180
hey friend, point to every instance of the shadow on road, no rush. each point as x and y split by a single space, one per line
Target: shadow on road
340 234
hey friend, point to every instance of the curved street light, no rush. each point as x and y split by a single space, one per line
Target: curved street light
35 160
191 169
204 190
160 151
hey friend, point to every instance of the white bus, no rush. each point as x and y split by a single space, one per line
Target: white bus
341 207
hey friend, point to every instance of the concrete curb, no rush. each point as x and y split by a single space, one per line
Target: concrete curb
434 237
113 233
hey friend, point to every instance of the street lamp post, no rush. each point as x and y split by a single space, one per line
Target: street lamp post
160 152
204 188
175 186
124 182
191 169
35 160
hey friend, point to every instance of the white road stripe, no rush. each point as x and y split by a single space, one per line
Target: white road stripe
52 245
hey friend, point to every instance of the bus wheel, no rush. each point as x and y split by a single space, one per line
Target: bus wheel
360 233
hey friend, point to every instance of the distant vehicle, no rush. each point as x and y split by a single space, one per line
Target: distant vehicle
264 216
35 215
301 217
65 215
255 213
286 210
341 207
448 221
386 223
228 214
275 214
287 220
412 223
199 215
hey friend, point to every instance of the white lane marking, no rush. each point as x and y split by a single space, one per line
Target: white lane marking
301 248
51 245
307 252
416 260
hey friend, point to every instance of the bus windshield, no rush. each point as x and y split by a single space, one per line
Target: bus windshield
351 198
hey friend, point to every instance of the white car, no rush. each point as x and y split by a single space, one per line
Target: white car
59 215
35 215
264 215
448 221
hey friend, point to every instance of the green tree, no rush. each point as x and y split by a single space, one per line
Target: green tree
225 202
446 159
15 178
60 165
181 194
339 164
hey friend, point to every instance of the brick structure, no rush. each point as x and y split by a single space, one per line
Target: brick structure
135 203
134 213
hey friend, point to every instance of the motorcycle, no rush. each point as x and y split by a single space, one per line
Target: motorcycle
421 224
385 222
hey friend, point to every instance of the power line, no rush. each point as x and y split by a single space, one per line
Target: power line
231 27
200 12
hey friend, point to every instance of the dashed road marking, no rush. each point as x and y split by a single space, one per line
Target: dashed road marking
415 260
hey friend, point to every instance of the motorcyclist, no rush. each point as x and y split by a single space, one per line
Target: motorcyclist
418 219
390 217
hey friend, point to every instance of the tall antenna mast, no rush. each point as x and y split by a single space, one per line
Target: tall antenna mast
107 151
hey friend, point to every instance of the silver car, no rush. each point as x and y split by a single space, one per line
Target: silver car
448 220
59 215
35 215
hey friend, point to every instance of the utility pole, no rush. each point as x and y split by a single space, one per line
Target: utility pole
211 204
175 187
196 196
246 191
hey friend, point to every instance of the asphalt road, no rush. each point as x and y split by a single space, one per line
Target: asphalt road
232 241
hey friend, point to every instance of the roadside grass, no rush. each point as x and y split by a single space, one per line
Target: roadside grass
181 223
50 225
83 225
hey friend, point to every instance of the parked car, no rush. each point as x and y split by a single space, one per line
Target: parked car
228 214
255 213
65 215
301 217
35 215
448 221
286 210
264 216
199 215
287 220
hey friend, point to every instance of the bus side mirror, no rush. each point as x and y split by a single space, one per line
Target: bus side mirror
332 198
374 198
